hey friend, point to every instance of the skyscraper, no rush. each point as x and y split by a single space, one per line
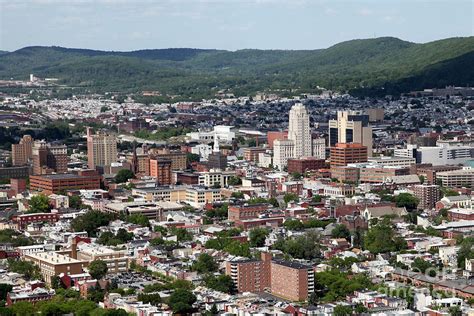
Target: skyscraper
299 131
101 149
351 127
22 152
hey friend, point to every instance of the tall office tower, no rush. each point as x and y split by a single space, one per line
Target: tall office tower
299 131
48 158
283 149
351 127
22 152
101 149
319 148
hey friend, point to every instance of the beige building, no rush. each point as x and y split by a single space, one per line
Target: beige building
52 263
199 196
351 127
299 131
23 151
101 149
283 149
117 260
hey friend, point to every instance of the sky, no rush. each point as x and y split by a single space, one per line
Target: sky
226 24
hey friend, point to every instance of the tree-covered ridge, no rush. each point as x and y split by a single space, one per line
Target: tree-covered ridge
360 65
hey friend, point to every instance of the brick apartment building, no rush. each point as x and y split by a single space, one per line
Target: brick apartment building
251 153
428 194
178 159
345 173
289 280
24 220
250 275
160 168
380 174
22 152
305 164
345 153
48 158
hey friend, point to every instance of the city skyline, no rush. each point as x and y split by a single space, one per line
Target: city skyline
123 25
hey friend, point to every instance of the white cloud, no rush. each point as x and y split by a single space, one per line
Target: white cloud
365 12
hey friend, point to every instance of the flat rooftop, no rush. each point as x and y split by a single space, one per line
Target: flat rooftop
53 258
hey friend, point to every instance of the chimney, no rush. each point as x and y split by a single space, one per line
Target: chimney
74 248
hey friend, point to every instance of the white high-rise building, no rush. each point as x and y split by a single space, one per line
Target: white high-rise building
299 131
283 149
319 148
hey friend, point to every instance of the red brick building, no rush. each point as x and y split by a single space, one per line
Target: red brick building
305 164
246 211
272 136
24 220
160 168
250 275
343 154
55 183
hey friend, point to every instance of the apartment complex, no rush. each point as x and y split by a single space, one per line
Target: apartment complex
299 131
246 211
351 127
252 153
291 280
49 158
250 275
288 280
343 154
101 149
178 159
22 152
427 194
160 169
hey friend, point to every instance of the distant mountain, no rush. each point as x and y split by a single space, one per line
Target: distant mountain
3 52
366 66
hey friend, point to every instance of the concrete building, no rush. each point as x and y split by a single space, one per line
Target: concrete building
299 131
437 155
22 152
343 154
149 209
197 196
283 149
291 280
375 115
405 162
223 133
345 173
101 149
48 158
117 260
215 177
351 127
319 148
203 150
427 194
457 178
373 173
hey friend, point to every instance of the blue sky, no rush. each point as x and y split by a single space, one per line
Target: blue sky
226 24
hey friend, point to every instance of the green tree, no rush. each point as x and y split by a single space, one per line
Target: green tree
98 269
4 289
138 219
214 310
342 310
420 265
381 238
75 201
23 309
205 263
221 283
288 197
341 231
39 204
293 224
90 221
296 176
234 180
153 298
316 199
406 200
181 301
55 282
124 175
257 237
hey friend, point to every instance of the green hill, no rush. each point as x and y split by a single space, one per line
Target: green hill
365 66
